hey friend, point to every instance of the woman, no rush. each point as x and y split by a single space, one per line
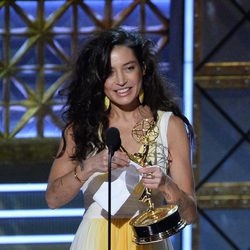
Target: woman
116 84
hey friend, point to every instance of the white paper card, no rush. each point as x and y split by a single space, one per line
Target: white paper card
119 194
121 188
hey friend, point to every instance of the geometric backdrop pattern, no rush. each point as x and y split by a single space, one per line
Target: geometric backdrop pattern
38 40
222 123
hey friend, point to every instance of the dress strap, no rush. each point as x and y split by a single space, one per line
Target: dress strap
162 142
163 126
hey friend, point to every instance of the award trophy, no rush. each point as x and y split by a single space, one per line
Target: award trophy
154 224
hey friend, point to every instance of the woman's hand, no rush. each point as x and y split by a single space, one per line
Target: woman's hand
153 177
99 162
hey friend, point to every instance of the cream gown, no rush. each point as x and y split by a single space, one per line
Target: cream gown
92 233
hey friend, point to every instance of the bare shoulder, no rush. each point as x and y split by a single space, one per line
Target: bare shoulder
67 144
62 163
68 132
69 137
176 130
176 124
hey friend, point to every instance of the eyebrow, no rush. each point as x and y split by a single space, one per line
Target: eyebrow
129 62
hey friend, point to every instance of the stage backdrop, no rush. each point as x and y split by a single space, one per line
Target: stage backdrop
38 40
222 124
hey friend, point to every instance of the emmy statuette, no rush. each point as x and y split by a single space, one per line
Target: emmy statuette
154 224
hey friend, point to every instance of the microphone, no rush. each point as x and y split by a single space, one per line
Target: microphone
113 140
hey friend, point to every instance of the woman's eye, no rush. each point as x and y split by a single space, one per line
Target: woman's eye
130 68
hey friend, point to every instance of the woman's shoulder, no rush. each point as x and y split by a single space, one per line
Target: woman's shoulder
169 121
176 129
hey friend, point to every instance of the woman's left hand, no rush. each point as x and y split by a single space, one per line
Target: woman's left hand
153 177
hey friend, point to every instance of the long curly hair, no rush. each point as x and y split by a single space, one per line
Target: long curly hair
84 111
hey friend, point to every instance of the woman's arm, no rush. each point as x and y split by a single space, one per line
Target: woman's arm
178 186
66 176
63 184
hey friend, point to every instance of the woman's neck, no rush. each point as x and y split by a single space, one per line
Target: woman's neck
132 116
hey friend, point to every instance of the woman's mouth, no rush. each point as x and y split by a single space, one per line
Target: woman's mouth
122 91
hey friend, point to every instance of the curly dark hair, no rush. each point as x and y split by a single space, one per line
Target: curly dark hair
84 111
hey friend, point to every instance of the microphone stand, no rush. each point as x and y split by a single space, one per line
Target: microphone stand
109 199
113 142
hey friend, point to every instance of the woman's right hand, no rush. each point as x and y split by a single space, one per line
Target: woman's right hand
99 162
66 177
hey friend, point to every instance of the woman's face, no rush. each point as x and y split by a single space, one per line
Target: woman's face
124 82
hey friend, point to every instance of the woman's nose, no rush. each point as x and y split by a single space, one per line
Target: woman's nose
121 78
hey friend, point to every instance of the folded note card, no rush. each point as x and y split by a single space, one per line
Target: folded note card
122 185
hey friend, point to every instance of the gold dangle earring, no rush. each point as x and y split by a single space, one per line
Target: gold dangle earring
106 103
141 96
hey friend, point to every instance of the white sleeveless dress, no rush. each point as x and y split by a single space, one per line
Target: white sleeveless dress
92 233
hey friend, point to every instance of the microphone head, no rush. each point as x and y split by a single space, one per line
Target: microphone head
113 139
